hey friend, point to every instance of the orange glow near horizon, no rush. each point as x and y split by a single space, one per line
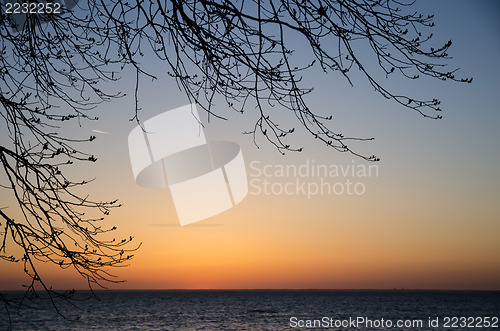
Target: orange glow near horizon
278 243
293 243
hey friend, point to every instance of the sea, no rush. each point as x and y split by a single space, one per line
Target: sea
260 310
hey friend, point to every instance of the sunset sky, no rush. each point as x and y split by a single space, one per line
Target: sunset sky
428 219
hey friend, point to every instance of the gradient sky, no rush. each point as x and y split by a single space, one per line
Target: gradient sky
430 219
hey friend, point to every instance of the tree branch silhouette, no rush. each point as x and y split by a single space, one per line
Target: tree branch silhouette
57 68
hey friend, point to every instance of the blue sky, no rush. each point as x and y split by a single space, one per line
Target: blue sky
433 207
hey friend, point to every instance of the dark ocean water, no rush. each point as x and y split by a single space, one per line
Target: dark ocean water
265 310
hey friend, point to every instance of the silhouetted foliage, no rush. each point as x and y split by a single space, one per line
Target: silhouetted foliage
56 68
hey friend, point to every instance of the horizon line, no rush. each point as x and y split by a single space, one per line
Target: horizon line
272 289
